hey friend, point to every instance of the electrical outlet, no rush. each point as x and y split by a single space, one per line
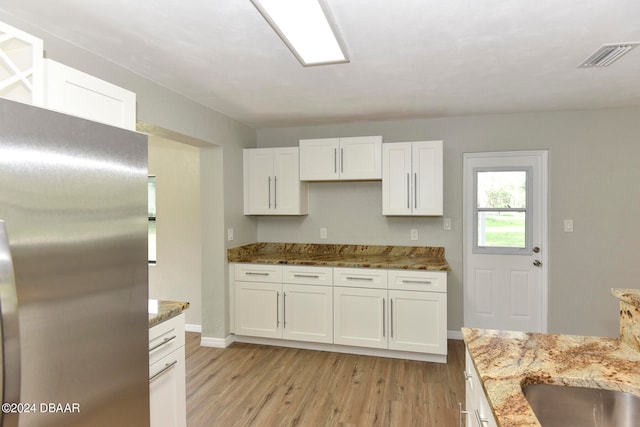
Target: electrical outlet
568 226
229 234
414 234
323 232
446 224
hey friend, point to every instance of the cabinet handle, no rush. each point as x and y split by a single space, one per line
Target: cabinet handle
275 192
391 316
408 190
335 160
481 421
277 310
422 282
284 310
341 160
255 273
461 413
165 341
310 276
368 279
269 191
415 190
467 376
164 370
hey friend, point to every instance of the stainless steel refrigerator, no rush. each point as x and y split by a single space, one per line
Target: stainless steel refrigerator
73 271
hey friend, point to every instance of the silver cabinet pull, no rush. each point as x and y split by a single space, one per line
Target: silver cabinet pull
335 160
163 371
310 276
269 191
422 282
415 190
481 421
164 342
255 273
341 160
460 414
368 279
284 310
467 376
391 316
275 192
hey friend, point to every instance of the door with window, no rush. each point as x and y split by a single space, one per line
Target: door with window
505 240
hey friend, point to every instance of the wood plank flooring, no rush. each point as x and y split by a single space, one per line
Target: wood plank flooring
256 385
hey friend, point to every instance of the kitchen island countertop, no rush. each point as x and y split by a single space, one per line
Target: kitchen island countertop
505 361
165 310
338 255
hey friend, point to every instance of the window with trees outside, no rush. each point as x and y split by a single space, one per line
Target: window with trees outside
502 211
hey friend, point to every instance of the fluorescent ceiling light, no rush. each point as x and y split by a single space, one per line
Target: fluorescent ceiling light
306 27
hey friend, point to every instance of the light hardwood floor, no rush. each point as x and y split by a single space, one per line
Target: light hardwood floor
256 385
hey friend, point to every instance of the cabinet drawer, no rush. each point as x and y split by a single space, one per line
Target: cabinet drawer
165 338
308 275
429 281
360 277
258 273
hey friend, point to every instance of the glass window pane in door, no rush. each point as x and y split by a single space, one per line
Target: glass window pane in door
502 189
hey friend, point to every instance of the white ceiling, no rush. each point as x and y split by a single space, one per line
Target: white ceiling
409 58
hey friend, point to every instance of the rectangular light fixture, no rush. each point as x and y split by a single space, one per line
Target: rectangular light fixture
307 28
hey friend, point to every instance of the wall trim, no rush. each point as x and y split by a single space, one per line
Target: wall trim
193 328
454 335
217 342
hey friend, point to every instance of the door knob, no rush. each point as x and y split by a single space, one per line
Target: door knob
536 249
537 263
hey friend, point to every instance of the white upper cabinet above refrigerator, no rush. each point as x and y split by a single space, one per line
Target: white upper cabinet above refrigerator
21 74
334 159
74 92
271 183
412 178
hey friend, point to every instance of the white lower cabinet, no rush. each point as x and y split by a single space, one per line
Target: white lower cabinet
167 374
477 410
361 307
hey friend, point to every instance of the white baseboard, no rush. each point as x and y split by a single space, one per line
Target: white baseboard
193 328
454 335
216 342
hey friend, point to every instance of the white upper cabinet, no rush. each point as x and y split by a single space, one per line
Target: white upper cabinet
271 182
412 178
73 92
334 159
21 66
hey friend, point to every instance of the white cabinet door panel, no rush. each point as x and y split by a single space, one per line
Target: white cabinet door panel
417 321
167 391
319 159
427 170
258 309
396 179
359 317
360 277
308 313
258 273
411 280
361 158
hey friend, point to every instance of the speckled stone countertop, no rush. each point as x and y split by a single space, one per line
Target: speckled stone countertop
355 256
165 311
506 361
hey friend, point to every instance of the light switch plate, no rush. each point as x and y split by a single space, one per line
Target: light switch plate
414 234
568 226
446 224
229 234
323 232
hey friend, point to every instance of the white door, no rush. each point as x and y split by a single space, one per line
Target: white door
505 240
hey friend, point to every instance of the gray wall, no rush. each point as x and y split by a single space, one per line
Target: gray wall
222 139
594 179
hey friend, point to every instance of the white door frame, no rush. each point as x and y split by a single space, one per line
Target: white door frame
468 230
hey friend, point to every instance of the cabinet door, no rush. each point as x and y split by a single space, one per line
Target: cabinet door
258 181
73 92
427 178
258 309
361 158
308 313
167 391
396 179
359 317
319 159
418 321
290 196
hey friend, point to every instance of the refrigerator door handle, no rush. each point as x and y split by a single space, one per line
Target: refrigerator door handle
9 332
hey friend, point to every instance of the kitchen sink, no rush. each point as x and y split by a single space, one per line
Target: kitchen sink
563 406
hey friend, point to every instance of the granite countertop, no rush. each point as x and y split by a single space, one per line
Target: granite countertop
336 255
159 310
506 361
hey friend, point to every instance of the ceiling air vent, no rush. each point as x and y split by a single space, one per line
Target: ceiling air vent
607 54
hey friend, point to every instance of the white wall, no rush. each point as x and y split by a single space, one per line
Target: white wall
177 275
594 180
